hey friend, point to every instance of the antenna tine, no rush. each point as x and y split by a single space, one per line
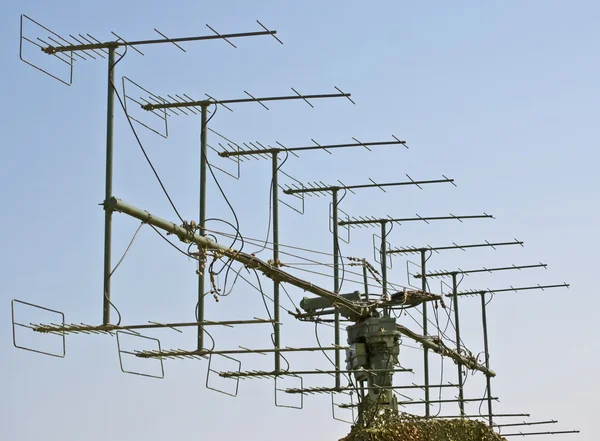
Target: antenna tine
159 101
164 101
320 146
62 45
456 217
254 98
286 149
412 180
168 39
272 35
401 142
100 54
221 36
217 101
251 147
184 101
81 42
124 41
378 186
488 215
349 189
307 102
493 247
346 94
48 44
449 180
180 109
190 98
262 155
97 41
423 219
459 247
361 144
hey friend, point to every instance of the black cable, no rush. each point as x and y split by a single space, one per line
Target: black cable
270 316
202 327
341 258
172 244
117 266
271 203
140 142
237 222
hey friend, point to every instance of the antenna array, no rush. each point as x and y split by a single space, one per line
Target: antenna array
371 317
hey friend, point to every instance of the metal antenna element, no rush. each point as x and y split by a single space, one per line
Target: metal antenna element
282 148
373 221
321 189
410 250
511 289
68 50
251 99
481 270
373 335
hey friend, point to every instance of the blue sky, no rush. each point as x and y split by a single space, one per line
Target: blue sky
501 96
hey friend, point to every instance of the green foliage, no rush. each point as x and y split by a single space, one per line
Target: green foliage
390 426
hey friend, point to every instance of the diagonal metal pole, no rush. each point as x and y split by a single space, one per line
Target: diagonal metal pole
110 114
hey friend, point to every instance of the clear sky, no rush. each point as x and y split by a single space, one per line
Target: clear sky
501 96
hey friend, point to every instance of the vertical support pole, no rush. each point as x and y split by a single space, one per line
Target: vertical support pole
461 403
365 279
336 283
425 349
201 222
383 260
275 196
487 358
110 114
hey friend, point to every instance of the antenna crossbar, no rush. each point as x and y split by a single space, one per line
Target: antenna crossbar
228 153
325 188
525 423
168 105
376 221
481 270
267 374
201 353
115 44
560 432
75 328
409 250
493 291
